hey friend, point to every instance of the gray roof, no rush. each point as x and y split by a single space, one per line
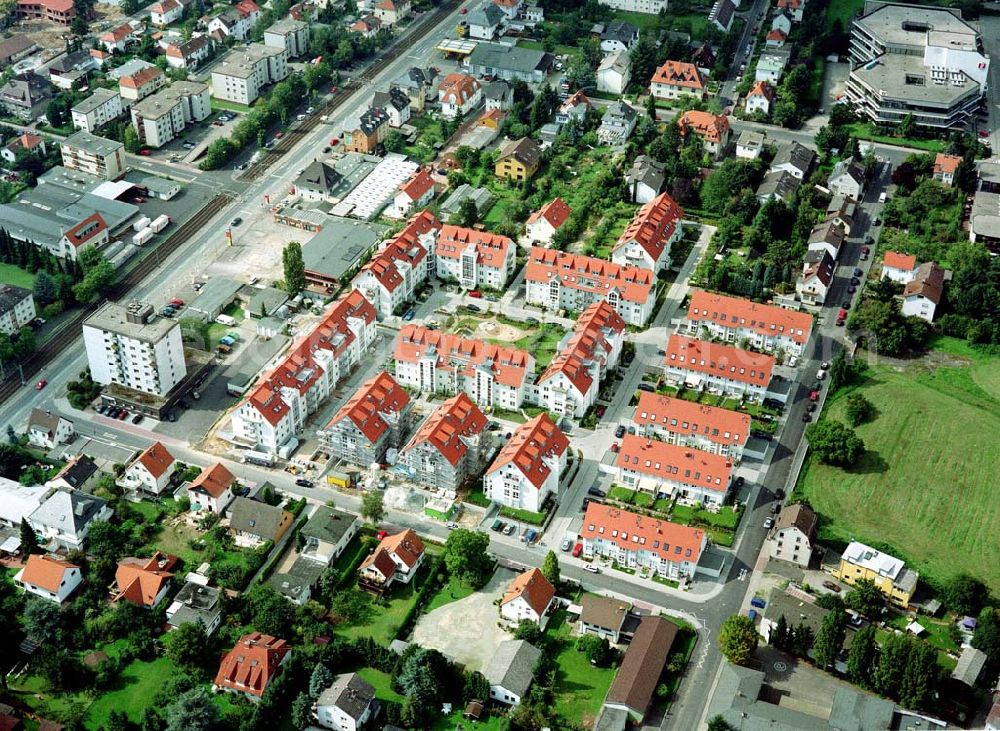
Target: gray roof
15 45
799 156
611 719
648 171
83 140
453 203
722 12
113 317
509 58
796 612
620 112
780 183
318 175
855 710
849 168
68 510
256 518
970 666
395 97
339 246
302 574
897 76
512 666
498 89
749 138
130 67
907 25
486 15
350 693
603 611
10 297
328 524
215 296
92 102
241 372
198 603
157 184
415 77
286 26
72 61
26 90
76 472
241 61
624 33
42 420
271 298
985 216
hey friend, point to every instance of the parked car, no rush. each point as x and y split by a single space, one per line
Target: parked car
497 526
451 525
758 602
123 415
620 431
137 418
831 586
566 544
41 384
408 316
577 550
811 408
508 529
776 508
236 221
177 302
591 568
814 396
475 294
806 418
615 447
474 308
597 492
303 482
648 387
769 523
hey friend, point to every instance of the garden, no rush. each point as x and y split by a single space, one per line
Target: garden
721 525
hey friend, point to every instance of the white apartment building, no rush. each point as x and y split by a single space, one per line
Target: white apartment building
246 70
651 7
96 156
765 327
474 258
449 447
17 308
688 424
527 469
101 107
718 368
161 117
670 470
130 346
292 35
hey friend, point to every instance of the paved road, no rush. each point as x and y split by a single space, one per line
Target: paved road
753 16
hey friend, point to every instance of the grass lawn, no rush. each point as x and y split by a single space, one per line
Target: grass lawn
10 274
926 487
842 10
525 516
579 688
387 614
176 540
456 720
382 683
864 131
452 591
218 104
133 691
936 634
32 692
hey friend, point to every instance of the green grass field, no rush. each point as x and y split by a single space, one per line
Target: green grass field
135 688
842 10
382 684
580 688
865 131
386 616
926 488
452 591
10 274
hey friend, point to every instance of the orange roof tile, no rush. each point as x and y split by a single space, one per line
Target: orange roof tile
213 480
532 442
406 546
776 35
762 88
141 77
83 232
140 580
377 396
946 163
509 366
458 89
679 73
681 416
418 185
652 226
718 360
381 561
46 572
674 463
534 588
706 125
896 260
587 345
736 312
589 274
247 7
630 531
555 212
491 249
118 34
456 418
156 459
253 663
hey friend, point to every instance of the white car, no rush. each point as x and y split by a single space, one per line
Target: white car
451 525
769 523
592 569
566 544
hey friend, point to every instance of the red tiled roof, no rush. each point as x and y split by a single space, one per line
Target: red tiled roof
532 442
762 88
733 312
29 141
776 35
456 418
385 265
678 73
587 345
555 212
719 360
534 588
491 249
946 163
140 580
709 126
46 572
578 97
86 230
164 6
674 463
509 366
929 282
793 4
630 531
363 25
156 459
406 546
213 480
896 260
681 416
140 78
378 395
588 273
247 7
418 185
56 6
458 88
381 561
652 226
252 664
118 34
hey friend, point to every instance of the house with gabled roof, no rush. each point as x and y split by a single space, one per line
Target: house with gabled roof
543 223
642 665
600 615
793 536
795 8
721 14
645 179
675 79
614 73
712 128
90 231
689 424
396 103
527 469
253 523
766 327
717 367
647 240
49 577
144 581
827 236
165 12
945 167
347 704
518 159
459 94
151 471
687 474
923 293
760 98
474 258
375 419
391 278
510 671
196 602
65 517
530 596
794 159
396 559
252 664
327 533
391 12
847 178
775 38
212 490
48 430
899 267
449 447
415 193
817 275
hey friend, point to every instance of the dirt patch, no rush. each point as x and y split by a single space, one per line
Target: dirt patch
493 330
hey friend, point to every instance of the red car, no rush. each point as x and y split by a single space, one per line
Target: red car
984 133
177 302
123 415
278 135
475 294
334 142
577 550
145 153
615 448
814 395
41 384
381 534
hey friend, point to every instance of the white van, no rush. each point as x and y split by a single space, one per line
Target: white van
225 320
882 197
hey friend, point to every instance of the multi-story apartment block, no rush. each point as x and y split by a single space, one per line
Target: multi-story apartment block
392 277
569 386
675 79
439 362
527 469
129 346
650 7
366 132
474 258
292 35
793 536
646 241
637 541
17 308
717 368
279 404
689 475
96 156
375 419
920 61
689 424
896 582
142 83
734 320
449 447
161 117
246 70
558 280
101 107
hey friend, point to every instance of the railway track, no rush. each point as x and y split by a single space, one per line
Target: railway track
70 329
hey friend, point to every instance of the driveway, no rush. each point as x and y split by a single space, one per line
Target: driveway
466 631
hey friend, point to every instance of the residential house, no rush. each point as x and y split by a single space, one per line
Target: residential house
771 65
365 133
26 96
842 212
675 79
22 143
101 107
347 704
252 664
396 103
415 193
760 98
543 223
901 268
793 537
235 21
896 582
498 95
721 14
649 7
775 38
558 280
778 184
970 666
575 108
733 319
923 293
614 73
375 419
689 475
704 58
367 27
782 21
419 85
75 474
617 124
196 602
18 501
603 616
794 159
254 523
48 430
188 54
474 258
641 667
619 36
486 21
17 308
645 179
527 469
689 424
393 276
817 275
795 8
847 178
120 38
827 236
151 471
144 582
511 8
571 383
749 145
459 94
717 368
712 128
510 671
212 490
945 167
65 517
165 12
647 240
390 12
518 159
49 577
530 596
142 83
327 533
396 559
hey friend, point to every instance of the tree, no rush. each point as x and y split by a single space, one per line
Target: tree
888 676
467 214
477 687
117 720
268 612
302 711
859 409
597 649
43 621
130 138
779 637
965 594
193 710
465 556
830 638
986 637
835 443
862 659
550 568
294 268
802 639
920 675
187 645
45 288
29 539
530 632
373 507
423 677
320 680
738 639
865 598
718 723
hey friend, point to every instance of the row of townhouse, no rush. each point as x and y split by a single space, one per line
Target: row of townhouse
279 404
673 471
394 274
493 376
719 368
764 327
646 241
689 424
